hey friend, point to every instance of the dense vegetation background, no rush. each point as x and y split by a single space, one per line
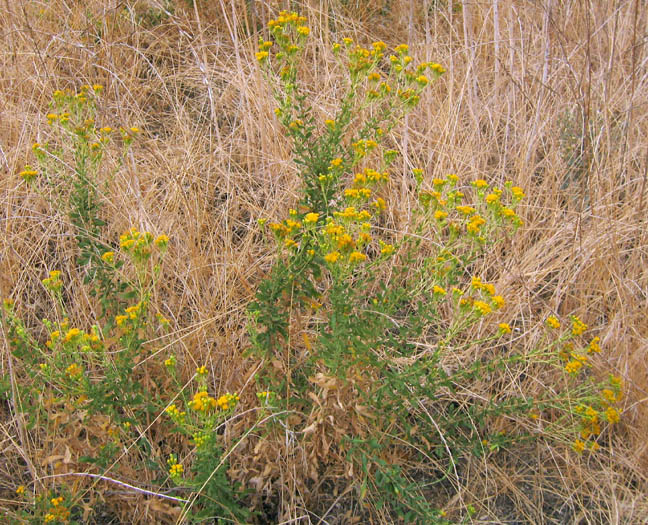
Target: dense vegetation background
551 95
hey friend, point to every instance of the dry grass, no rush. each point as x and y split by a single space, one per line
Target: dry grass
528 85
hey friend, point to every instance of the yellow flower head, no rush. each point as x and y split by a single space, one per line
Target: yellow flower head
73 333
482 307
612 415
466 210
380 204
491 198
488 288
28 174
594 346
476 222
578 326
578 446
332 257
608 395
518 193
227 401
351 193
401 49
573 367
311 218
176 470
345 241
505 328
498 301
161 241
74 371
553 322
437 68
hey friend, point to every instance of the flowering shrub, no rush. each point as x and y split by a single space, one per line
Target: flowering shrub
101 377
379 313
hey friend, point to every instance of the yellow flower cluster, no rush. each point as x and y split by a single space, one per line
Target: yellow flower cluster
288 30
575 361
53 282
131 314
286 18
438 290
28 173
136 243
386 249
74 371
574 366
287 230
553 322
175 468
491 300
202 402
482 308
475 223
591 417
344 238
161 241
227 401
85 341
362 147
200 439
164 322
311 218
175 414
71 334
108 257
578 326
57 511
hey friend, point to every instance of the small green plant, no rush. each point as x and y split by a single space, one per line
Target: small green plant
215 497
53 507
358 325
106 378
73 155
